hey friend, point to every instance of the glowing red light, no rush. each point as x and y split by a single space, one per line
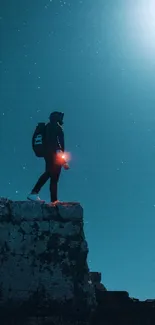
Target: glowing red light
61 157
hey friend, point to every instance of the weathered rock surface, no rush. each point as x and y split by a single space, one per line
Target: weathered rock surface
95 278
43 260
44 276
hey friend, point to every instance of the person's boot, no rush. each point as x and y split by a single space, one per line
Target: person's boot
35 197
55 203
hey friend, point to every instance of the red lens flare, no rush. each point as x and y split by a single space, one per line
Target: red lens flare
62 157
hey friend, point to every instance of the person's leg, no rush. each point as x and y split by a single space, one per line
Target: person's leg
40 183
54 186
55 171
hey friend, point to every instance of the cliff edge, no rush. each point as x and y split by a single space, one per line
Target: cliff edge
43 260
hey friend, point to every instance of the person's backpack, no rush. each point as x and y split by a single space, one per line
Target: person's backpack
38 140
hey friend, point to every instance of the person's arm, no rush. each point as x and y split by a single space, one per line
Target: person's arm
60 139
61 143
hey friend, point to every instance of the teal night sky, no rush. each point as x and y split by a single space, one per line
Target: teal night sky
95 61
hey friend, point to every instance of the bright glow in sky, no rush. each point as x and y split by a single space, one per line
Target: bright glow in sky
141 17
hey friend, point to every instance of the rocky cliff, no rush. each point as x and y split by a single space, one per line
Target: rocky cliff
44 276
43 260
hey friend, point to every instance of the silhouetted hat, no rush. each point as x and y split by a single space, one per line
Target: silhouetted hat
56 117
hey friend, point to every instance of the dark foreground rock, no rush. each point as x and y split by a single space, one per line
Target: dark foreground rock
44 276
117 308
43 261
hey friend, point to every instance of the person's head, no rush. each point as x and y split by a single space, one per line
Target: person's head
56 117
